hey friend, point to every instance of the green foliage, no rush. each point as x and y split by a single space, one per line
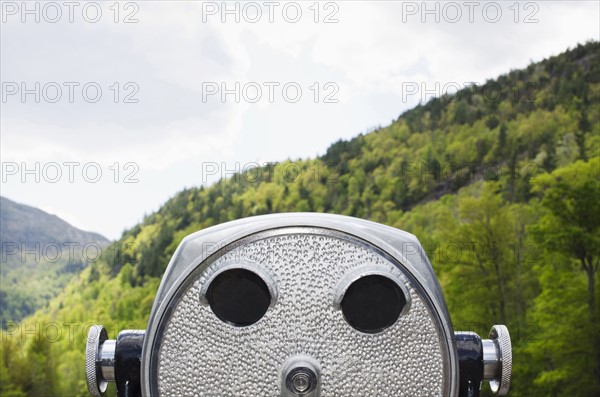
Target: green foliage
570 231
572 223
563 346
485 241
8 387
502 193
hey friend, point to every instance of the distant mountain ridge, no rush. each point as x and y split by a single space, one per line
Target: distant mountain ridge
23 223
52 256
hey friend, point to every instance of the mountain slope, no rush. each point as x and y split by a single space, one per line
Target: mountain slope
40 253
30 225
477 170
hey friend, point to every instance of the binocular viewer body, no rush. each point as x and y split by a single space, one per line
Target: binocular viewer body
300 304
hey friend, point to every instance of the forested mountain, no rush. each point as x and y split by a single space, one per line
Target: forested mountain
30 225
39 253
500 182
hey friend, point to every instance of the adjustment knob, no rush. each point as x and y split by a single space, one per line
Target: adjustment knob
497 359
99 360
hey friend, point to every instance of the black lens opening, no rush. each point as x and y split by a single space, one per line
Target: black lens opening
373 303
239 297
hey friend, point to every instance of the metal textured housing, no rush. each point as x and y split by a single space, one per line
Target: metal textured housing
177 339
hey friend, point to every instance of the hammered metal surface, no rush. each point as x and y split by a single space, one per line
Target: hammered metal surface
199 355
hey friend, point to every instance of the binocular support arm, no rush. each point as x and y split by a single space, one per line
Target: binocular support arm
484 359
109 360
119 361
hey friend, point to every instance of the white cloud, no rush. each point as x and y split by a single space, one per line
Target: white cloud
370 54
153 148
376 51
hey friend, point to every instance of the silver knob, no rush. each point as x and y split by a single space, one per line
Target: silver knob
99 360
301 381
497 359
301 377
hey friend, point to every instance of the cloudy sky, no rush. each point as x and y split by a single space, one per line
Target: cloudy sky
108 109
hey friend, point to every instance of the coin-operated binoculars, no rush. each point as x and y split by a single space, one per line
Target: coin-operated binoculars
299 305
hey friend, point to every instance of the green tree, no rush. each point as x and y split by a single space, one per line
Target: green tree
483 250
42 371
558 338
8 356
571 227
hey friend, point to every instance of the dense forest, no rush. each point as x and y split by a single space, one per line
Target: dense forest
500 182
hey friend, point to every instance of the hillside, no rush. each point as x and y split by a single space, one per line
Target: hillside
28 224
40 253
499 182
